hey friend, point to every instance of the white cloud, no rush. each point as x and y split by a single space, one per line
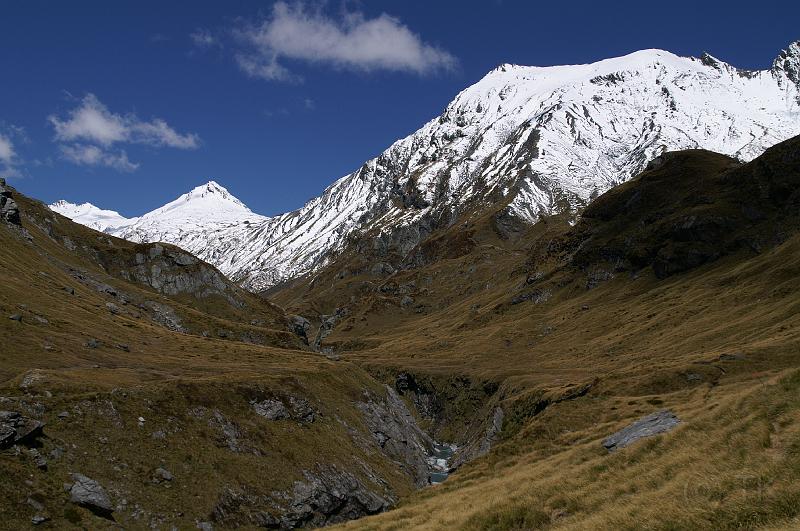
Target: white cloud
7 153
354 42
265 68
92 122
158 133
203 38
88 134
10 162
89 155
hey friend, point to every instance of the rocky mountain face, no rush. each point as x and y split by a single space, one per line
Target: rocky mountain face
536 140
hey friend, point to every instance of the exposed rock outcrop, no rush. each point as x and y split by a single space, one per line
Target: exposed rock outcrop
327 322
323 497
300 326
17 429
298 409
171 271
396 432
653 424
330 496
9 211
481 445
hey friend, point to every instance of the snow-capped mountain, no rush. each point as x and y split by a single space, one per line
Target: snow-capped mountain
89 215
541 139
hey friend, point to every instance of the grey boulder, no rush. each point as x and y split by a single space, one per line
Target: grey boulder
90 494
653 424
162 474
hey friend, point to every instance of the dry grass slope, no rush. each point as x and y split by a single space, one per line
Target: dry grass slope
677 290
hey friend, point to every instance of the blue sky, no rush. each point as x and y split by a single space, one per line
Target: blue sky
129 104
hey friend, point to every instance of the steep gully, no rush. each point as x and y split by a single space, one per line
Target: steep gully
468 418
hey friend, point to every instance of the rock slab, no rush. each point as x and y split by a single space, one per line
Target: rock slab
90 494
653 424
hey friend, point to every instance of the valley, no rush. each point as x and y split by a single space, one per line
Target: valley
571 301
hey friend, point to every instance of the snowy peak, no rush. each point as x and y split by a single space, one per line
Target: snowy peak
203 206
208 197
540 139
205 209
90 215
212 190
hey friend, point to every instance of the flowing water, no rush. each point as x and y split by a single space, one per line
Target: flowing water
439 462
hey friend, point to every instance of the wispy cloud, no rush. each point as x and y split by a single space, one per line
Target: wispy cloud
272 113
89 155
353 42
10 161
7 153
156 38
203 38
89 132
92 121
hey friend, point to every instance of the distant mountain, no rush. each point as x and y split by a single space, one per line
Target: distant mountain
536 139
89 215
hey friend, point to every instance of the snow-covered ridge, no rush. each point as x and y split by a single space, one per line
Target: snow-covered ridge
542 138
89 215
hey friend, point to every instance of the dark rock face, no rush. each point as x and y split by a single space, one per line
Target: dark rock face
324 497
330 496
653 424
90 494
424 399
300 326
9 211
397 434
481 445
18 429
507 225
327 322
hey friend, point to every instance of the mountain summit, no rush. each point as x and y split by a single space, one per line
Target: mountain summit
209 200
538 140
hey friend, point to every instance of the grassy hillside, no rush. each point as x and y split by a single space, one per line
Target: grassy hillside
677 290
130 379
193 402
